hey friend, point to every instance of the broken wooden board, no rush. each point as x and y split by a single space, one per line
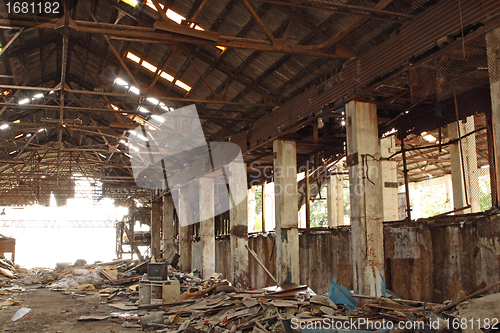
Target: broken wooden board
6 272
250 303
123 307
10 302
92 318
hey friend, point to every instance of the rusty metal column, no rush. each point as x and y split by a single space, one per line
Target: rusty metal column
493 50
363 159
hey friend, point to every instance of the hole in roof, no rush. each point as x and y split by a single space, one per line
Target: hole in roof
132 3
167 76
133 57
152 68
120 82
134 90
181 84
178 18
147 65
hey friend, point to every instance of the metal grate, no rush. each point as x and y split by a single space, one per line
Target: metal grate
222 225
453 89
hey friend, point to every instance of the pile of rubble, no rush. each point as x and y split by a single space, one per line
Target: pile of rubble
9 269
214 306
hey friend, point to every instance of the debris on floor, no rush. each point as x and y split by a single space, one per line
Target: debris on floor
170 300
8 269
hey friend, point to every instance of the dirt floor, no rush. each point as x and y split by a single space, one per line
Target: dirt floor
53 311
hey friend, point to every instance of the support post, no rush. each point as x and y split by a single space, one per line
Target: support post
264 206
366 198
457 171
270 207
168 228
308 199
156 216
185 233
335 200
207 226
251 209
285 189
493 52
470 161
239 226
389 179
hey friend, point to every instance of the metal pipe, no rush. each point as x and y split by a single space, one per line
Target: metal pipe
405 172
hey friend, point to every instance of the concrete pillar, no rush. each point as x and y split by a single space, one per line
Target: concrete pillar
264 206
185 232
493 51
302 217
286 201
464 172
251 209
268 209
457 177
389 179
340 197
335 200
156 216
169 249
366 198
207 226
239 226
470 162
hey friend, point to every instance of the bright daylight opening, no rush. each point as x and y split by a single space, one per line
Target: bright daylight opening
82 229
132 3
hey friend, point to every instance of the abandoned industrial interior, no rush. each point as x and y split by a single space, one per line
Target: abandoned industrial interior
281 164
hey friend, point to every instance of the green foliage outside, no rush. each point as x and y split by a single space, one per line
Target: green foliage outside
432 201
484 193
319 213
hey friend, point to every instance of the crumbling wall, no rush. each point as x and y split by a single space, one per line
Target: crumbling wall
428 260
263 246
197 255
433 259
222 256
323 255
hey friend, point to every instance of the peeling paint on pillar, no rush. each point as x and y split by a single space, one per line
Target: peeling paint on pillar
285 190
168 228
239 227
284 235
207 226
366 197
